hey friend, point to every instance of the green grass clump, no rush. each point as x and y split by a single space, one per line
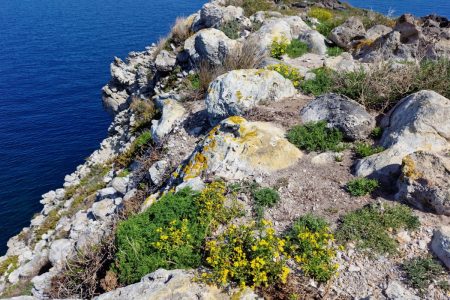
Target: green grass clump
377 132
231 29
124 159
266 197
334 51
310 246
421 272
315 136
364 149
49 223
9 264
194 81
361 186
296 48
321 14
326 27
370 227
170 233
321 84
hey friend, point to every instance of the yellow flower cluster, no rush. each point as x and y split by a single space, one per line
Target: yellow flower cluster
247 255
279 46
174 236
321 14
287 72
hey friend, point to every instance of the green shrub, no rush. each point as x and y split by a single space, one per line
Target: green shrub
287 72
321 84
248 255
278 47
321 14
296 48
266 197
361 186
334 51
231 29
194 81
364 149
421 272
370 227
326 27
315 136
170 233
9 264
377 132
310 244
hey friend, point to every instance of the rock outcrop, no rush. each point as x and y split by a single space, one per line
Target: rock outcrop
234 93
418 122
349 33
342 113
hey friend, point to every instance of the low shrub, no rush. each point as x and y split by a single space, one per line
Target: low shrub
422 271
287 72
326 27
231 29
370 227
170 233
296 48
321 84
124 159
315 136
266 197
9 264
377 132
361 186
334 51
144 112
321 14
246 255
278 47
364 149
310 243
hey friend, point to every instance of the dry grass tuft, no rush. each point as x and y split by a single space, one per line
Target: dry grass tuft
181 30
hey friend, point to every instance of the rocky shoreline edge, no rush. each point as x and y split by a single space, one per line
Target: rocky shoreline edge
170 133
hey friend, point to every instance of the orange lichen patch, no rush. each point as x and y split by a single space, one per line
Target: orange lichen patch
195 166
409 168
364 43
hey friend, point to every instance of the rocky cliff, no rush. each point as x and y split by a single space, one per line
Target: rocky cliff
265 149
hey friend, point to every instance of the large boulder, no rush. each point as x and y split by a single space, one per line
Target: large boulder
213 16
60 251
349 32
172 114
165 61
237 91
425 182
418 122
236 149
377 31
342 113
440 244
173 284
315 41
210 45
270 31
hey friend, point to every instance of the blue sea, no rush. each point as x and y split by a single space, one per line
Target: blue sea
54 59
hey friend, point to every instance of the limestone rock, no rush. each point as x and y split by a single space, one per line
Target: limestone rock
395 291
236 149
157 171
237 91
343 63
350 31
42 284
104 208
170 285
108 192
214 16
165 61
425 182
340 112
418 122
120 184
210 45
275 29
60 251
195 184
172 113
377 31
440 244
315 41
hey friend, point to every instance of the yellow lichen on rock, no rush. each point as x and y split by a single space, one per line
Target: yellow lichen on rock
409 168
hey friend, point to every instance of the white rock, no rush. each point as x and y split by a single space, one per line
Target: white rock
315 42
165 61
172 114
237 91
196 184
104 208
108 192
157 171
440 244
395 291
60 251
120 184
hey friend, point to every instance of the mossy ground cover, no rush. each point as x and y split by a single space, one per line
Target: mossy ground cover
315 136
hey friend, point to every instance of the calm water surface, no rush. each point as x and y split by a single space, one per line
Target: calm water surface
54 59
399 7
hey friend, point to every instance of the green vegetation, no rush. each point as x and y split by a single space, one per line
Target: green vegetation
421 272
361 186
370 227
326 27
321 84
321 14
364 149
124 159
279 47
310 245
264 197
49 223
377 132
296 48
315 136
170 233
194 81
124 173
249 255
287 72
144 112
231 29
9 264
334 51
